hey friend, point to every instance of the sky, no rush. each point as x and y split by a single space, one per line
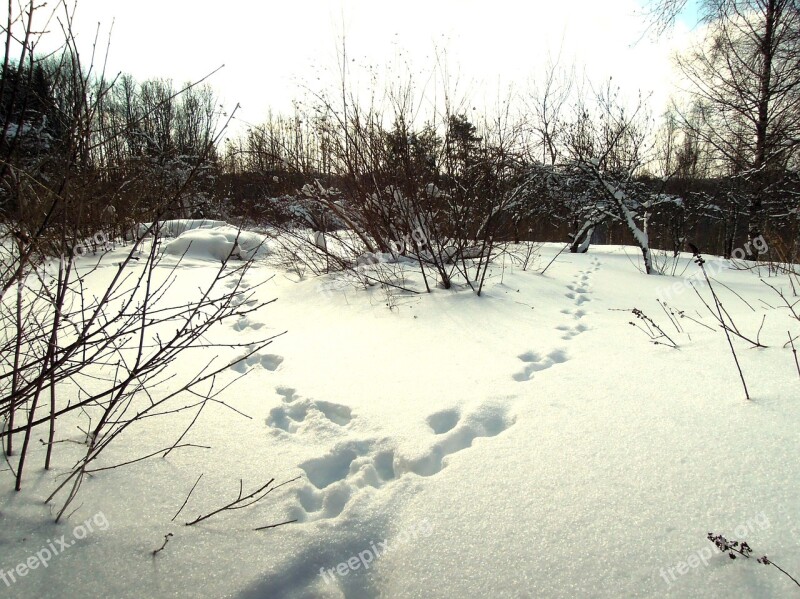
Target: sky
272 49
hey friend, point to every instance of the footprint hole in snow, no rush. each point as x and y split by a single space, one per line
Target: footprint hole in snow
271 361
336 413
323 472
384 465
287 393
444 421
529 356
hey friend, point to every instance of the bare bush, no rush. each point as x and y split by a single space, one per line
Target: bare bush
104 357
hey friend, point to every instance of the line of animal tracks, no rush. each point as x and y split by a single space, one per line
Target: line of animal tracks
351 463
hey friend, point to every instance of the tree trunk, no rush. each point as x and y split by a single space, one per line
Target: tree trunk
756 209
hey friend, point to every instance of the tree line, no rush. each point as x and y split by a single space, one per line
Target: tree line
571 160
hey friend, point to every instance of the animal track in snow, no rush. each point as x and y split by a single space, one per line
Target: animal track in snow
294 411
579 298
245 323
579 292
289 417
266 361
287 393
353 465
233 283
333 478
572 331
577 314
334 467
535 362
444 421
458 438
241 301
336 413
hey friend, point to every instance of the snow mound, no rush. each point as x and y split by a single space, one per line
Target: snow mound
174 228
217 244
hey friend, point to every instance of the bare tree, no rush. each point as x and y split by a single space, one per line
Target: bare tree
547 105
745 76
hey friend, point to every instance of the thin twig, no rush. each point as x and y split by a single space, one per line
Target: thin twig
149 455
166 540
244 501
794 351
185 501
188 428
275 525
554 258
700 262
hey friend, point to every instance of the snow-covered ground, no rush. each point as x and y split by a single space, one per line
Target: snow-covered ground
526 443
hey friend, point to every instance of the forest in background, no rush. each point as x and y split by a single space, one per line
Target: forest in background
571 160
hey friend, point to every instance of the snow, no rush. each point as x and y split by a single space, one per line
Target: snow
210 240
217 244
14 129
173 228
525 443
